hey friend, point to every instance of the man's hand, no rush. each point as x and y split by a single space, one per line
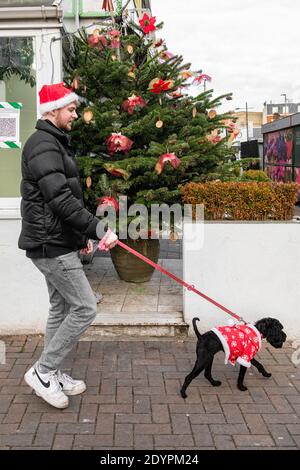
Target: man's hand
111 244
108 241
88 249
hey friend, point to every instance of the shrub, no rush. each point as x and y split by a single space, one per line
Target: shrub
255 175
242 200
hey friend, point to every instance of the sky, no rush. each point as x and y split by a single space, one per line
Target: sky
248 47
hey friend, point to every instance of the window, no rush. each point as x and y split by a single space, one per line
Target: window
94 7
25 3
17 84
87 8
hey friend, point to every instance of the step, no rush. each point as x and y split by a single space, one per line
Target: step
148 325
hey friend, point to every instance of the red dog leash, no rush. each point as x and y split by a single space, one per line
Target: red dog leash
177 279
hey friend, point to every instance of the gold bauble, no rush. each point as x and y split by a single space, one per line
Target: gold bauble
88 182
87 115
130 49
212 113
159 123
75 83
171 83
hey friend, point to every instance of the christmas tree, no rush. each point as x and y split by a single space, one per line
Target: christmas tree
140 133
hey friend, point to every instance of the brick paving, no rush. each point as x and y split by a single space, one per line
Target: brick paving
133 401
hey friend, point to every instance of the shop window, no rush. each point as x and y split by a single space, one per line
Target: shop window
297 147
17 84
87 8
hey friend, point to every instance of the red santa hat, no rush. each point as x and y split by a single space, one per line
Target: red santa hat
55 96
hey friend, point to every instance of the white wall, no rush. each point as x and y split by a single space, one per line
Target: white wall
23 293
253 269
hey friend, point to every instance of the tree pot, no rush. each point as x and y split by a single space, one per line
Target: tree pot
129 267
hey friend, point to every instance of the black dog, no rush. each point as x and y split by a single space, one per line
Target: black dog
209 344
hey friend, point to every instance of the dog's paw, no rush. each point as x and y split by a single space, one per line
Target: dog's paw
242 387
183 394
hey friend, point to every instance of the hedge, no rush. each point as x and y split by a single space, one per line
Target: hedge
255 175
242 200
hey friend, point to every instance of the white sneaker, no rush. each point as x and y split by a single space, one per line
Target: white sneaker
70 386
47 387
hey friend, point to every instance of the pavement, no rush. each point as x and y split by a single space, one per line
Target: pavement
133 402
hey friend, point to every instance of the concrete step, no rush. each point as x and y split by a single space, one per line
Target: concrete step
147 325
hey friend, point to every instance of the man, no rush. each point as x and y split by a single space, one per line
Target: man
55 225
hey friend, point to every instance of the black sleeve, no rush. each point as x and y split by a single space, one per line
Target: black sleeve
47 168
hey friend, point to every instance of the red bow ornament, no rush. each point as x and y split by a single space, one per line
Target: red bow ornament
114 38
98 40
198 80
158 85
118 143
133 103
105 201
166 157
147 23
214 137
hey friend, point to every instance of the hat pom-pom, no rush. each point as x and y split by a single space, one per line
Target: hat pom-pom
231 322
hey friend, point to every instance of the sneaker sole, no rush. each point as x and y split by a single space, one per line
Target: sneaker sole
77 391
45 397
70 393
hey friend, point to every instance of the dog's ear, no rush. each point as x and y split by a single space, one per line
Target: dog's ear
279 325
266 323
263 325
274 334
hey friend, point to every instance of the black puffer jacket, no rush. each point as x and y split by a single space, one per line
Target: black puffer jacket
52 208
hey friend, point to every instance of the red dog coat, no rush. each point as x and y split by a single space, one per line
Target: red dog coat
240 343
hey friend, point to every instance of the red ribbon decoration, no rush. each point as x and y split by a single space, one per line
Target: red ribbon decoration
107 5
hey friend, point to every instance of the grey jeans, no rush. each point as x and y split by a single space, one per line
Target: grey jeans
72 306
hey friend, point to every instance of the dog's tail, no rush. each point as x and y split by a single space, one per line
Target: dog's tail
195 327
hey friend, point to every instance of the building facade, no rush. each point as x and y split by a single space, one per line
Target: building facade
274 111
31 34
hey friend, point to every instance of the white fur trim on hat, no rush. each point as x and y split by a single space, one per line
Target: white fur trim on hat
61 103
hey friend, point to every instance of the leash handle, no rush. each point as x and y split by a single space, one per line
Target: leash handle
177 279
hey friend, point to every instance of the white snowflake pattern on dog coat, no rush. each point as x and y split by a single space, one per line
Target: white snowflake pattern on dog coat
240 342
